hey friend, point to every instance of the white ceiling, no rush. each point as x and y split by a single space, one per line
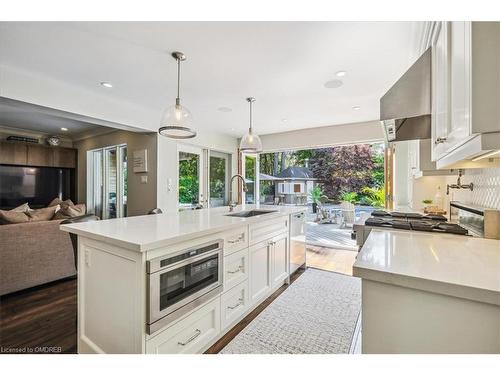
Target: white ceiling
283 64
24 116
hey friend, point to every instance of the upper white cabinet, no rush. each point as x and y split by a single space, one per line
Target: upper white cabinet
466 92
440 90
460 91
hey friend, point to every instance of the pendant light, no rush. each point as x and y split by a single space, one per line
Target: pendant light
177 120
250 143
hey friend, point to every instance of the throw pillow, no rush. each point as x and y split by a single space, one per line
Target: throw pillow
13 217
22 208
75 210
56 201
42 214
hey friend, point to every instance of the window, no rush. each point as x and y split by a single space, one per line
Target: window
203 177
250 167
297 188
107 181
190 177
218 178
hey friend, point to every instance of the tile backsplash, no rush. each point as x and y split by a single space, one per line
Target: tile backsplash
486 191
486 187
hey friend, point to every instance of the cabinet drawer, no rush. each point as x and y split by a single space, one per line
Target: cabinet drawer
235 240
235 268
267 229
234 303
190 335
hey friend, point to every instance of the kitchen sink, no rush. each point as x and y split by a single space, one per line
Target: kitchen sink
251 213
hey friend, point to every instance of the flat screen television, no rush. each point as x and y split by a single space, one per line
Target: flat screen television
36 185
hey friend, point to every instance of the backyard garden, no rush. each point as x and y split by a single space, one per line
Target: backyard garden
344 173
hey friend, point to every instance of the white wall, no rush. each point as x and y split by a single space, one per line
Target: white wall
167 163
361 132
401 172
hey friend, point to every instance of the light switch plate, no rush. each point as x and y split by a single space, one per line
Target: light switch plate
144 179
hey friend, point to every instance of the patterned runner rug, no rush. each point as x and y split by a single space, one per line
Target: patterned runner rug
317 314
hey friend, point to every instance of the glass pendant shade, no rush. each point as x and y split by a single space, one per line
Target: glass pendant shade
177 122
250 143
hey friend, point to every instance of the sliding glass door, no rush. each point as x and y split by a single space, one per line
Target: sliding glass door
250 170
107 182
203 177
218 178
190 172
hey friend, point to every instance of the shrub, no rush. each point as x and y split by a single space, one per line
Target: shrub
316 194
374 196
351 197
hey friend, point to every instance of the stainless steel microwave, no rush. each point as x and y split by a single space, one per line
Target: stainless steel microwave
179 282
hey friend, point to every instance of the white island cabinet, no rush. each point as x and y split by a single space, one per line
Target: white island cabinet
116 258
429 293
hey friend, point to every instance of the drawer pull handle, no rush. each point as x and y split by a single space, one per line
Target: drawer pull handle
239 239
271 243
240 268
198 332
235 306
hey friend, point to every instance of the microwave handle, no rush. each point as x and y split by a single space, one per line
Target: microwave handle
188 261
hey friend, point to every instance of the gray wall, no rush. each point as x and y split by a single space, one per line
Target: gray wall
141 197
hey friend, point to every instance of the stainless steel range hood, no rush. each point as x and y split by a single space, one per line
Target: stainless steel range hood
405 110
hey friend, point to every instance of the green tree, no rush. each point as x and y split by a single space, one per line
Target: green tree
188 178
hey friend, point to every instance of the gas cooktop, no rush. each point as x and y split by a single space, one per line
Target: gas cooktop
413 221
407 215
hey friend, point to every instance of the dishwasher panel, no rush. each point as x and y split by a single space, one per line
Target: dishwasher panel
297 241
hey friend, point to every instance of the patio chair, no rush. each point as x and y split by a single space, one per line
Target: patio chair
348 214
324 214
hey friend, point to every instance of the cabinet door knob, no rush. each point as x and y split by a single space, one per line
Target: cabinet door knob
440 140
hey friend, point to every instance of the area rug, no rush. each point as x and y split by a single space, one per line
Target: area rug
316 314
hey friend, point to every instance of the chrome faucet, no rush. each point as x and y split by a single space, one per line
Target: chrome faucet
233 204
459 185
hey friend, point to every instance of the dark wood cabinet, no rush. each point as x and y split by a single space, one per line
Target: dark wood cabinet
13 153
37 155
64 157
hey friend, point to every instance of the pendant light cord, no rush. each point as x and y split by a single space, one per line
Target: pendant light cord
250 129
178 81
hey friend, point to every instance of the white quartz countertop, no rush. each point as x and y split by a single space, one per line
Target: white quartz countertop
460 266
143 233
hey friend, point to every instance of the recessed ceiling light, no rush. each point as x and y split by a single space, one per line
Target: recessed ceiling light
64 129
284 120
224 109
333 84
232 129
341 73
356 107
106 84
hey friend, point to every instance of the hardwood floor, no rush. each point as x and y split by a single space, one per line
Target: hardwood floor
39 320
329 259
44 318
219 345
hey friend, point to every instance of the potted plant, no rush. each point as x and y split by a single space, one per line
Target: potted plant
427 202
315 195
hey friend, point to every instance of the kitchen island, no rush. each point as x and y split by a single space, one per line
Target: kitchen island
429 293
176 282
